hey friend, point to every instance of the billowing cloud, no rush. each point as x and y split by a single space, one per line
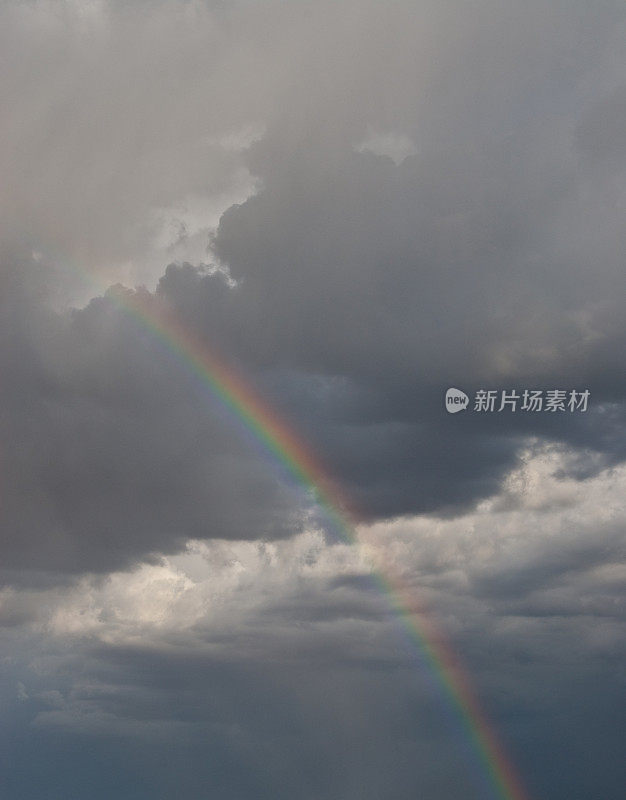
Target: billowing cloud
262 656
112 450
357 205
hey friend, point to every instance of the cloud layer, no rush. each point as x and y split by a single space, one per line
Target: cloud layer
265 663
357 205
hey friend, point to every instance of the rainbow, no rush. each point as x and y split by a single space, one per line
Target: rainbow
276 437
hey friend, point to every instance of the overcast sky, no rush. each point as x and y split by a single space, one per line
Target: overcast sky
357 205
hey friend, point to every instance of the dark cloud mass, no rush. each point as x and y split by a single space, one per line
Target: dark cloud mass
356 205
112 451
489 257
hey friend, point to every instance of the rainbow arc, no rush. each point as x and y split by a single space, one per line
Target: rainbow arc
277 438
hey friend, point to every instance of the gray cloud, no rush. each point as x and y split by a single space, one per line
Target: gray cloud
260 668
415 195
112 452
490 256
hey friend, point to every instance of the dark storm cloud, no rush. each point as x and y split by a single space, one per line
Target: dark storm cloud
365 287
111 451
439 200
386 284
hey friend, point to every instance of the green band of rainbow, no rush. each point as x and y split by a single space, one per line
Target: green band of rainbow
277 438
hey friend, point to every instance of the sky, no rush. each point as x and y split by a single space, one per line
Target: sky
354 206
